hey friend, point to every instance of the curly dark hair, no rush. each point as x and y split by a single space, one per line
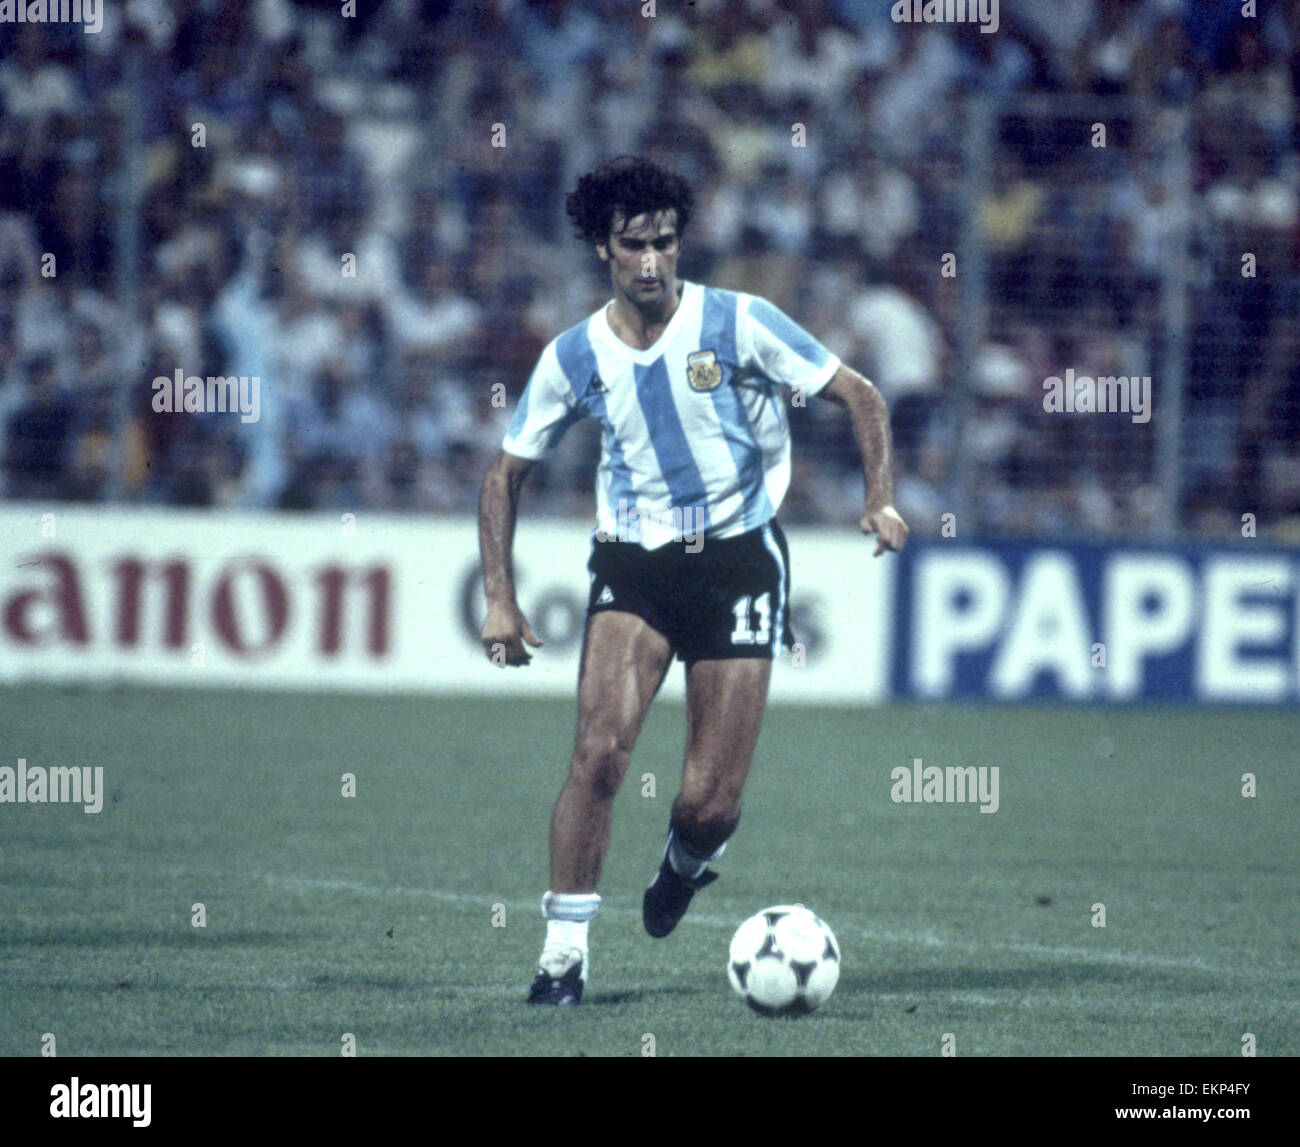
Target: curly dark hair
626 186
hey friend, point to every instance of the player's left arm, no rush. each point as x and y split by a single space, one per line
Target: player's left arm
870 418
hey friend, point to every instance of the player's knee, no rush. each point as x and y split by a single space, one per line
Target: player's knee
599 762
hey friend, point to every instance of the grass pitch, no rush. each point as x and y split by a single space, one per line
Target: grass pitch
408 914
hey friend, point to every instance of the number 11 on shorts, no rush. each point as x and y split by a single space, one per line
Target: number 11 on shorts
744 633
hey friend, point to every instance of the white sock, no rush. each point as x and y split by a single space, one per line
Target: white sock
685 863
567 916
566 934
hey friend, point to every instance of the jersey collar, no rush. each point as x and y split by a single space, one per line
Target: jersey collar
656 348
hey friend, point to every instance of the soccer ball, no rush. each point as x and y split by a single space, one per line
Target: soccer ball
784 961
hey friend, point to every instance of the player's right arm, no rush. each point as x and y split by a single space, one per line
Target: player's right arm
547 408
506 629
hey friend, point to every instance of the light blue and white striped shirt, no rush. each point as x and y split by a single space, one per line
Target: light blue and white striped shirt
695 426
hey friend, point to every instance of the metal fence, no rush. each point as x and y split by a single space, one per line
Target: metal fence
1080 298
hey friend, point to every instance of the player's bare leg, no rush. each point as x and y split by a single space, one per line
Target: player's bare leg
724 708
623 664
724 712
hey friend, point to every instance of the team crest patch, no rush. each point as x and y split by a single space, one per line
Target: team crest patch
703 371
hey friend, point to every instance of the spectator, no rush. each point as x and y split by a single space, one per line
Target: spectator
37 435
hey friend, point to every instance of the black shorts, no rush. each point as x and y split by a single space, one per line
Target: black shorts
728 599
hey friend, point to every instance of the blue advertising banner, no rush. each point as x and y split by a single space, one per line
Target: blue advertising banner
1101 623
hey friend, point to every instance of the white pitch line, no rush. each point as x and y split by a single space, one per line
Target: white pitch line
697 919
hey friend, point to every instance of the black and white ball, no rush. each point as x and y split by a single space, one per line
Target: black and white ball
784 961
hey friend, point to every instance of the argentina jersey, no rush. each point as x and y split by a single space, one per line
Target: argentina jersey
696 440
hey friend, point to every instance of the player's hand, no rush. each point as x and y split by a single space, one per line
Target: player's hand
504 633
888 524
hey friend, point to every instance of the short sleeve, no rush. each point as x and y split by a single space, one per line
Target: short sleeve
774 345
546 410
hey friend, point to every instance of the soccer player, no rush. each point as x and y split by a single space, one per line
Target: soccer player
689 384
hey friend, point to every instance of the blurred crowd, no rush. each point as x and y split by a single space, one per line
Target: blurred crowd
366 214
